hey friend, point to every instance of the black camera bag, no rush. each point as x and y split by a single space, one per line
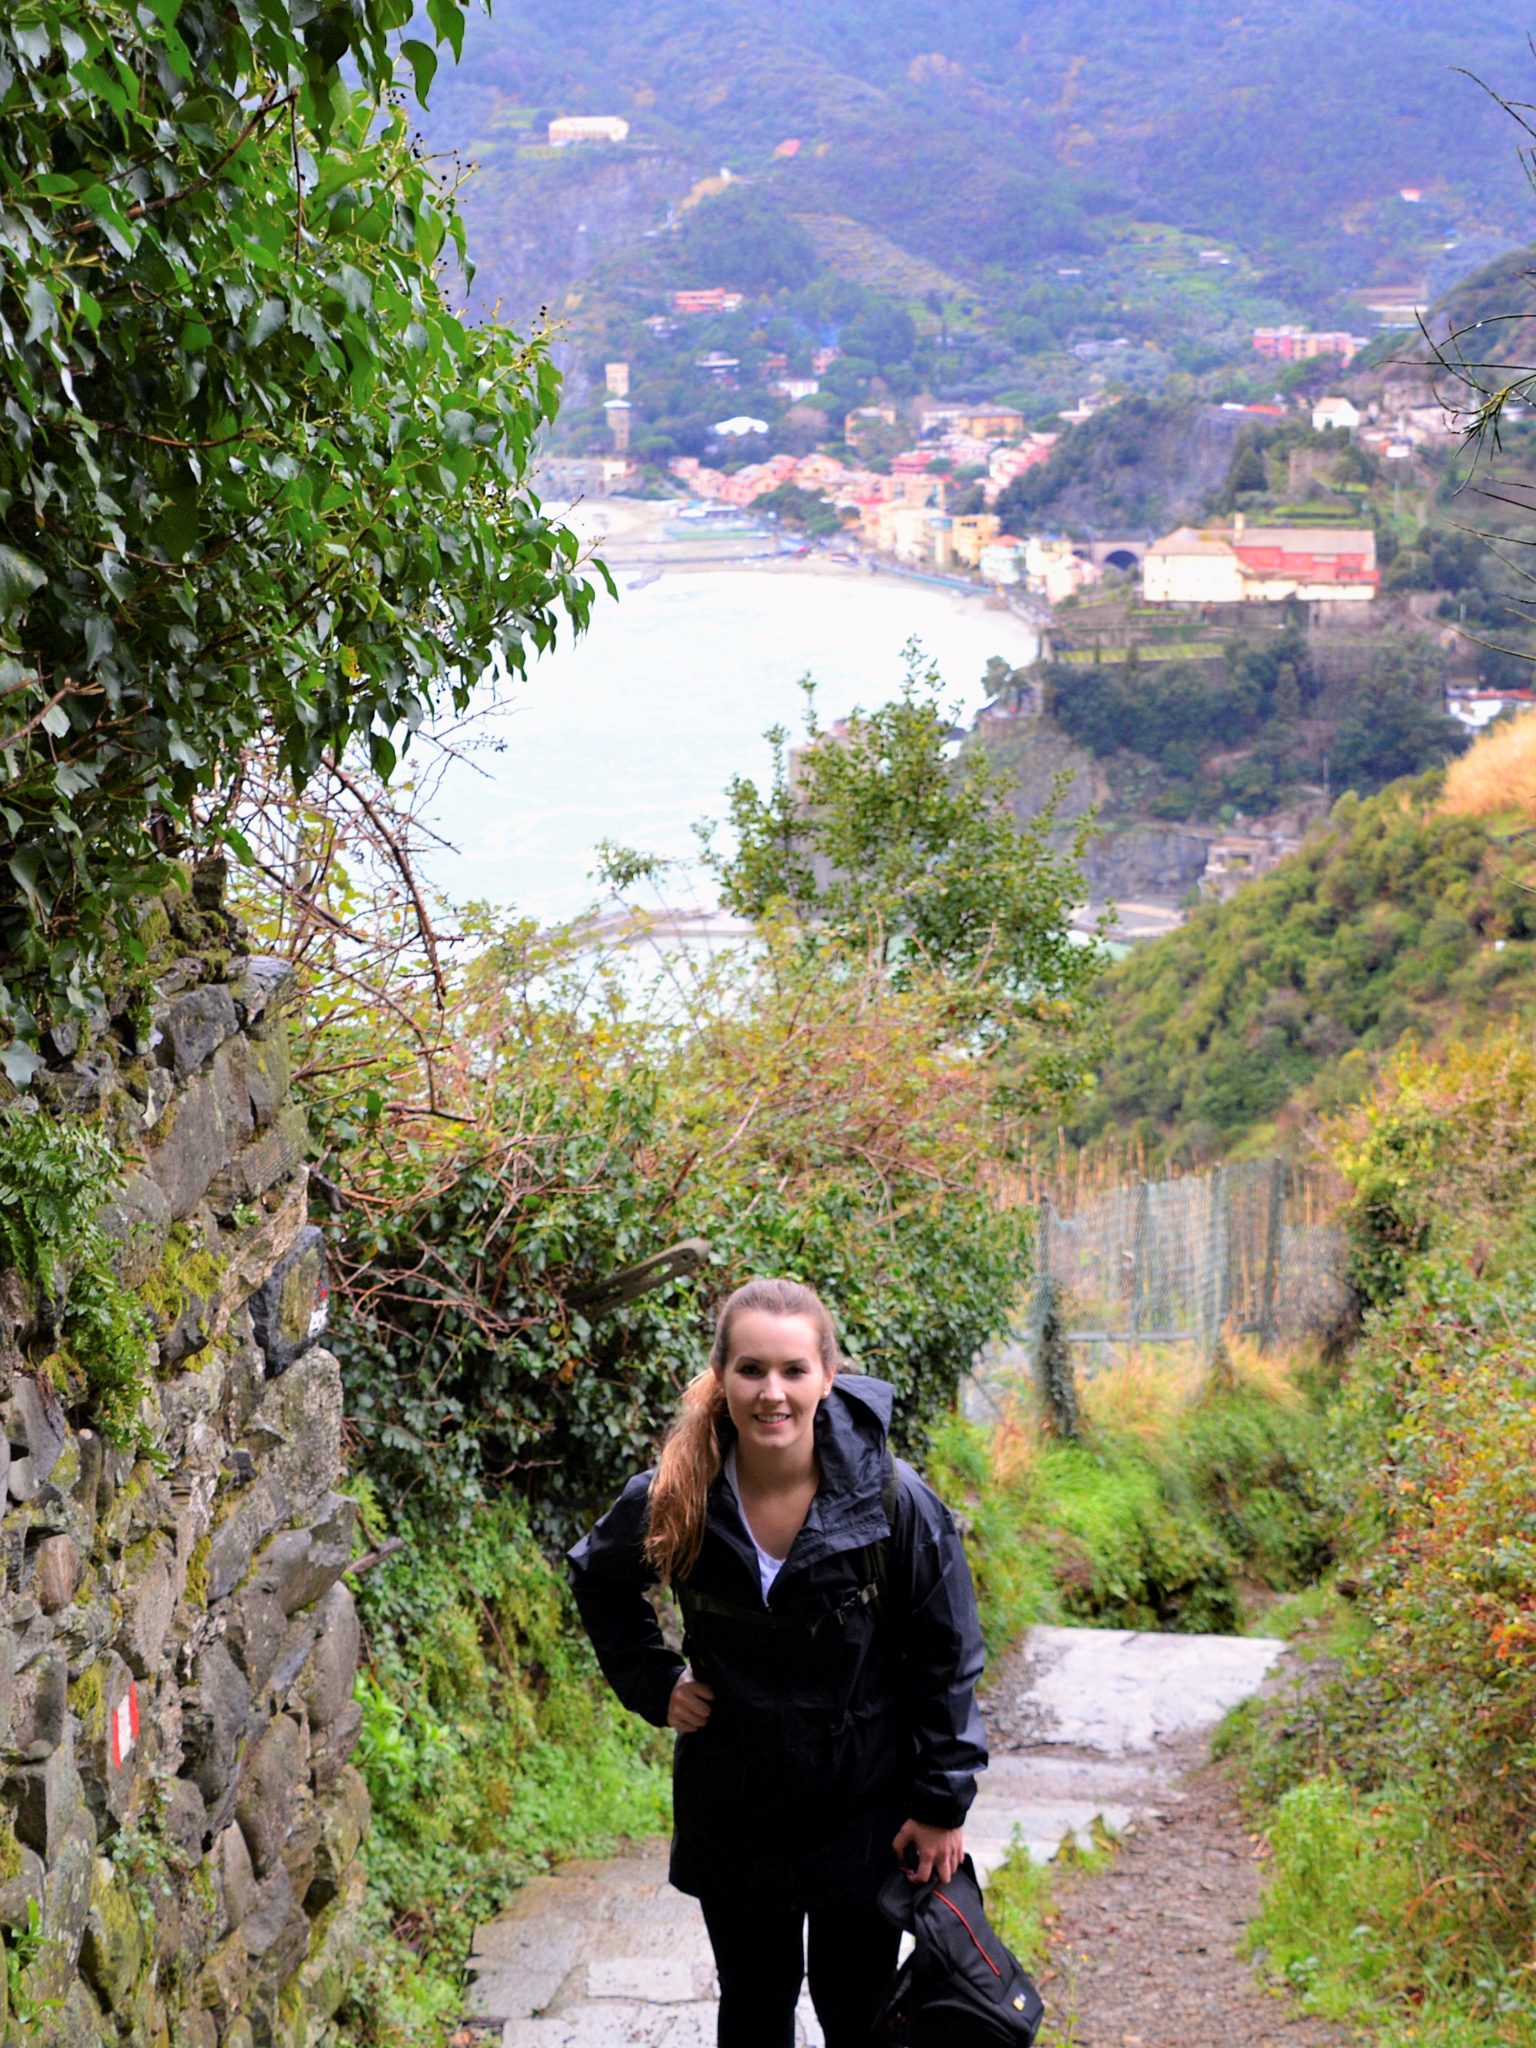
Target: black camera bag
960 1987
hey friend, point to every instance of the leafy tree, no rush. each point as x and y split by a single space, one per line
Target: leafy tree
873 840
259 482
741 239
1246 472
1394 727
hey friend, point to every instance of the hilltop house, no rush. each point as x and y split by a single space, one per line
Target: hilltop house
979 422
588 128
1260 565
713 299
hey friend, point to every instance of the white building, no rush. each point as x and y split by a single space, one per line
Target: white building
1335 413
1002 561
1477 708
588 128
1054 571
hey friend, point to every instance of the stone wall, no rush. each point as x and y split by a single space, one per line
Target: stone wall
178 1644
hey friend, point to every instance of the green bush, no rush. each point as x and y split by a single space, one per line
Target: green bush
1358 1918
1383 925
1157 1531
1399 1783
229 367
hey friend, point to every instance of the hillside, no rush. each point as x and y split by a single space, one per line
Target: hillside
1399 917
1004 137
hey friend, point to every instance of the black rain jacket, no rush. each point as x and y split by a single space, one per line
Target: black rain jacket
823 1738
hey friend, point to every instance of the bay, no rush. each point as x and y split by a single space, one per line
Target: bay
633 732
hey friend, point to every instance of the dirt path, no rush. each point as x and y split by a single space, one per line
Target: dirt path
1082 1722
1146 1954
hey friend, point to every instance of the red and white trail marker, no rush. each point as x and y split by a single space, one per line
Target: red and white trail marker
125 1725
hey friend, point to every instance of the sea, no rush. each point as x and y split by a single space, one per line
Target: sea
633 732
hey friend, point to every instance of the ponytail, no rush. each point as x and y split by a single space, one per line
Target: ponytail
691 1459
690 1465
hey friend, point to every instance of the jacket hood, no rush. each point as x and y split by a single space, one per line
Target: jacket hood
878 1397
849 1507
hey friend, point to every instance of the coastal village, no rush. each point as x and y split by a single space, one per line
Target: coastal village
904 506
925 489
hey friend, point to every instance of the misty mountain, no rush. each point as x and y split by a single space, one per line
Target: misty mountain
1004 135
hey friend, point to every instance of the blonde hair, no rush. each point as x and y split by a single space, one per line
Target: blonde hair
691 1456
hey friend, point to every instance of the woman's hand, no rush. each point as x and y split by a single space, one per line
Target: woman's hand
939 1851
688 1708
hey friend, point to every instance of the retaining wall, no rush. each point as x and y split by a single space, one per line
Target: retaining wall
177 1641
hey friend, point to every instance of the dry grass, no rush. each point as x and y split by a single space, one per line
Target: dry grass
1277 1375
1138 1391
1497 775
1015 1442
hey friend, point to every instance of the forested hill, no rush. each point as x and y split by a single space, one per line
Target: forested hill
974 135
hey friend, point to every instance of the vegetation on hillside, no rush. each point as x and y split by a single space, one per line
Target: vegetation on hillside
1397 1784
1398 916
1029 126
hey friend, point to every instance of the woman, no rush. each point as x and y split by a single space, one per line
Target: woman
826 1717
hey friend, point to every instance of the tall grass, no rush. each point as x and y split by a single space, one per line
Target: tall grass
1497 776
1181 1498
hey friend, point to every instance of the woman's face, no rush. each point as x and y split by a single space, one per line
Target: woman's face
774 1383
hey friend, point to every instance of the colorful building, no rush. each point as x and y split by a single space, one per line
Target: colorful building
1261 565
1301 344
712 299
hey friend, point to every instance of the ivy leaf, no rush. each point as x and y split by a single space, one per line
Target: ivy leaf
43 308
25 865
447 17
422 59
19 578
270 316
20 1063
356 292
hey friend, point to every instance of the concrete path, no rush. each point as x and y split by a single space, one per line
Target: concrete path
1082 1721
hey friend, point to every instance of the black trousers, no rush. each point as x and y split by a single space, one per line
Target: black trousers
762 1953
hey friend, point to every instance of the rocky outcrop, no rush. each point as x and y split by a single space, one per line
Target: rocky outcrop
177 1640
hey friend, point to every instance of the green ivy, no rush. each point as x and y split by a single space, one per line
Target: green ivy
54 1179
259 482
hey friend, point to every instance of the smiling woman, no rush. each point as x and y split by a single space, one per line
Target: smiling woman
826 1718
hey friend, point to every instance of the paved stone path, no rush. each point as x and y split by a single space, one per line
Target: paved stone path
1083 1722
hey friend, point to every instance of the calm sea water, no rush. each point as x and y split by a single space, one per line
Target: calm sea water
633 733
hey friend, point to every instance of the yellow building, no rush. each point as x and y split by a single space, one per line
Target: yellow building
995 423
970 533
904 531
